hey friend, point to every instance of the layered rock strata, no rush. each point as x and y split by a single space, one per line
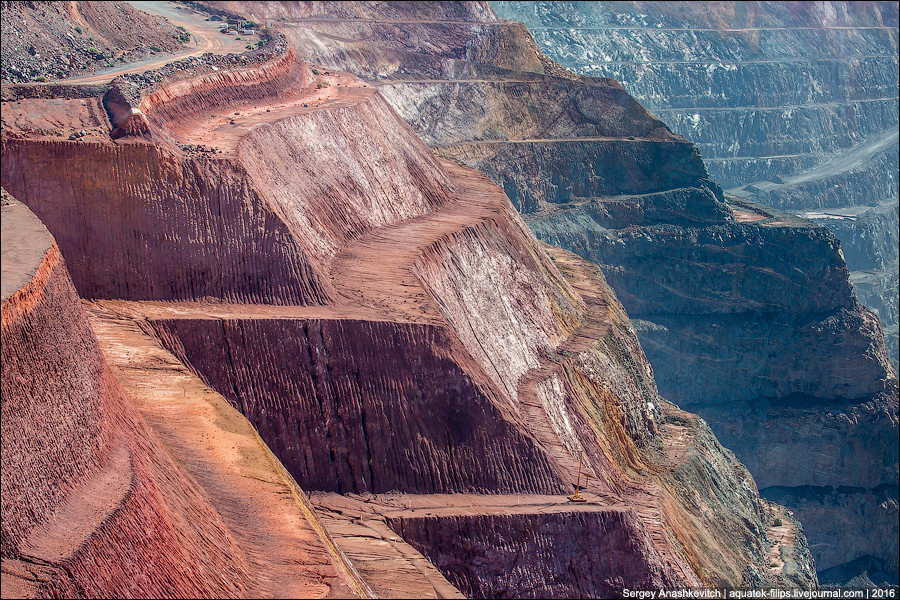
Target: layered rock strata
734 302
416 336
793 105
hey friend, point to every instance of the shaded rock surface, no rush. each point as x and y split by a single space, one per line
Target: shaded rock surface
359 391
202 261
498 557
794 105
682 256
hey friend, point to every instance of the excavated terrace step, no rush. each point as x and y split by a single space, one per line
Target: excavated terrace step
594 138
390 566
447 505
85 508
375 278
371 508
377 269
263 508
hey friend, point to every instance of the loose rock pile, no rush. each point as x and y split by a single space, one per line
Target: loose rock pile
43 41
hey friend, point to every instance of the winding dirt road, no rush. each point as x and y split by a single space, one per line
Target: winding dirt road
205 36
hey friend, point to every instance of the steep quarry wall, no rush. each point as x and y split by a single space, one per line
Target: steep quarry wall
854 447
403 25
92 503
471 274
744 301
640 177
541 556
401 374
763 89
792 105
204 234
705 277
342 196
183 94
353 406
507 102
475 12
542 546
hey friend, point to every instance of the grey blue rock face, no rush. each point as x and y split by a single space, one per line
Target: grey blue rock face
794 106
750 320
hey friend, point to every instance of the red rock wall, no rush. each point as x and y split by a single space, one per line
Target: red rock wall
334 175
356 406
137 222
330 175
30 326
92 504
176 99
555 555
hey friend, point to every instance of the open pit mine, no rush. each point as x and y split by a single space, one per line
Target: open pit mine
281 317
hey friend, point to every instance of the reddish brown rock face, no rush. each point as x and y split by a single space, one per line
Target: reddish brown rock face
228 245
386 322
92 504
356 406
561 555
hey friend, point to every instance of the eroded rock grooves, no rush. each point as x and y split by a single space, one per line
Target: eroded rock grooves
489 566
370 384
388 323
92 503
739 307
